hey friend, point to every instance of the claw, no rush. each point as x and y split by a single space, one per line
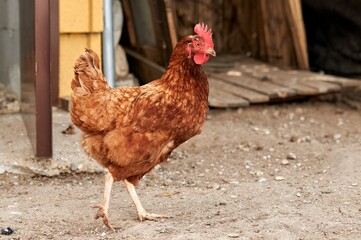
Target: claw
102 213
151 216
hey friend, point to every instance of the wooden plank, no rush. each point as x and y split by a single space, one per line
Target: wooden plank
221 99
258 68
306 79
81 16
297 30
128 15
216 69
159 29
305 83
249 95
322 87
280 78
344 82
301 89
274 91
230 59
251 65
171 25
221 63
277 36
266 30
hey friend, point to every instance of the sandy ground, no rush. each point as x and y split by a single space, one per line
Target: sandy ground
285 171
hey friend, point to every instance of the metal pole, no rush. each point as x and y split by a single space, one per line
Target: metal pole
108 43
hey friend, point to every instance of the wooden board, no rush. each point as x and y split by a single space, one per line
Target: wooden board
279 77
274 91
306 83
247 94
257 82
321 86
343 82
303 82
220 98
258 68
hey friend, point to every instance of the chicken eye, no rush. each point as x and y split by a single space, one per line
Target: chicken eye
197 44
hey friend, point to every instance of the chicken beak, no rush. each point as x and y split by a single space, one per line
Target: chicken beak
210 51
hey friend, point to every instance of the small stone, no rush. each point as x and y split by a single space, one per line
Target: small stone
73 167
234 235
292 156
279 178
256 129
326 191
298 194
80 166
234 73
337 136
7 231
294 139
262 179
285 162
259 173
69 130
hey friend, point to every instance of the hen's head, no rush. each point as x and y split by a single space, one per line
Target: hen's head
201 46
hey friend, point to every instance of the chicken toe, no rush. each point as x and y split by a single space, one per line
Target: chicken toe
103 213
142 214
151 216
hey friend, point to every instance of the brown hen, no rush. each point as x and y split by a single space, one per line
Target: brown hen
129 130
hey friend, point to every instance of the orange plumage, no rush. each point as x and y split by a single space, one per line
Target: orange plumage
129 130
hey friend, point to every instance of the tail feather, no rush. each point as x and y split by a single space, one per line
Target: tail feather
91 109
87 73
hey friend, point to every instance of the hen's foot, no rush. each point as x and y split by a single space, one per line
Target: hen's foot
151 216
103 213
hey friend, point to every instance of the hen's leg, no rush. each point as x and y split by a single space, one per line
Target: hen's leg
142 214
104 206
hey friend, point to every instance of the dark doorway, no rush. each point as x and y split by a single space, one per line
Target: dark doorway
333 36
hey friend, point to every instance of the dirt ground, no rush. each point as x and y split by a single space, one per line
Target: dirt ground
283 171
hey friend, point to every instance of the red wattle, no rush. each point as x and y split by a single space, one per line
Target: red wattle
200 58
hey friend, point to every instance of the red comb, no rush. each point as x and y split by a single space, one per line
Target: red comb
204 33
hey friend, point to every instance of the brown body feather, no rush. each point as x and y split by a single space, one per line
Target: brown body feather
130 130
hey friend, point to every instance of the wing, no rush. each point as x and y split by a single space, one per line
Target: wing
101 111
143 133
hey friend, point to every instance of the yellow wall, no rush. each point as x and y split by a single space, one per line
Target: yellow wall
81 25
